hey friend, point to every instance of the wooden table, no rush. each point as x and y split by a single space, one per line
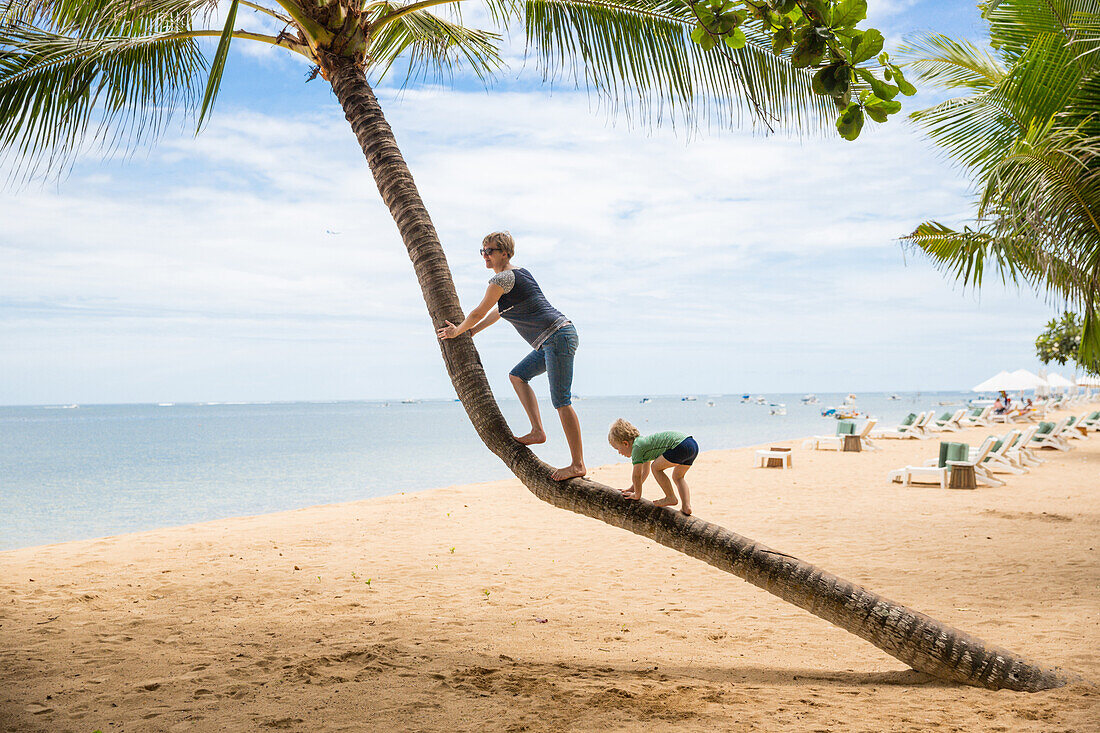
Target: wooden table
852 444
962 475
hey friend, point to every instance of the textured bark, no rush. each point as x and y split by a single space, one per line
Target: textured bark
916 639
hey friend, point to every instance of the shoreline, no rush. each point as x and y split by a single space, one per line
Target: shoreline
474 607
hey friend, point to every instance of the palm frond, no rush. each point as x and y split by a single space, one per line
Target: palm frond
1013 24
945 62
638 56
55 90
433 47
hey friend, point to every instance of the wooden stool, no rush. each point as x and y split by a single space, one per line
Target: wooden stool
773 458
852 444
961 475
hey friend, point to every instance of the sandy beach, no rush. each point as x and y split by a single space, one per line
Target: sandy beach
480 608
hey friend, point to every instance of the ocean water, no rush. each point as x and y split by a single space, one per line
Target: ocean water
71 473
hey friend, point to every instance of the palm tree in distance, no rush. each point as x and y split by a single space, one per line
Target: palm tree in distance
113 70
1027 131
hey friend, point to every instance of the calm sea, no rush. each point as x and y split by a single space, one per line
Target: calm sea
71 473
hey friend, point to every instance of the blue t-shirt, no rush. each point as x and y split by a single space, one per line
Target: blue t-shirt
525 307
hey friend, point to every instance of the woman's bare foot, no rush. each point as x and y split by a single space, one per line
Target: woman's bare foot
532 438
575 470
666 501
686 510
629 494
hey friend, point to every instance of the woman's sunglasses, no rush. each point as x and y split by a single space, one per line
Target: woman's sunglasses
488 251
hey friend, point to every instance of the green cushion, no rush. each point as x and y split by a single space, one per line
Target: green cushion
909 420
953 452
1044 428
1094 415
1072 419
975 412
945 416
997 446
845 427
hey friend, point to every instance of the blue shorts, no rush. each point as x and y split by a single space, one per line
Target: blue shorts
555 357
684 454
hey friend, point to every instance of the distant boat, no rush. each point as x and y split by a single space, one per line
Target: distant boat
760 400
850 399
710 403
947 402
893 397
689 398
643 401
745 398
810 399
778 409
842 413
165 404
409 402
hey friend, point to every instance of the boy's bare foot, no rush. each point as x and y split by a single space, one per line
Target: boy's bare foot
666 501
532 438
686 510
629 493
575 470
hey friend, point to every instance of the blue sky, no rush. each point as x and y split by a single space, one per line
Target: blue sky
257 262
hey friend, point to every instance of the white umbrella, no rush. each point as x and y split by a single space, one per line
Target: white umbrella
993 384
1088 381
1017 381
1027 380
1058 381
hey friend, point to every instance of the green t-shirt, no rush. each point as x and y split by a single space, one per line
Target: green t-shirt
648 447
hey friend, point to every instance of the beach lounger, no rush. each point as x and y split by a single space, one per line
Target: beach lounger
951 454
1020 453
950 421
998 461
1049 435
911 427
836 442
977 417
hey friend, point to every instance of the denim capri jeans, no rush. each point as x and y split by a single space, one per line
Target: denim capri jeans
555 357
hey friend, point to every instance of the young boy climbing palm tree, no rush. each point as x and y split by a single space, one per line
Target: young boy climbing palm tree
670 449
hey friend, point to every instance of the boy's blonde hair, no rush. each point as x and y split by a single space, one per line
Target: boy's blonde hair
501 240
622 432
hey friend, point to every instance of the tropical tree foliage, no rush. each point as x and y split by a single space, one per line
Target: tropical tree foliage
113 71
1061 343
1027 130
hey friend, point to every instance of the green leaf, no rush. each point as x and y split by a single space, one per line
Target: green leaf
698 34
876 114
708 42
850 122
781 40
214 81
881 89
848 12
736 39
889 106
809 51
867 45
906 88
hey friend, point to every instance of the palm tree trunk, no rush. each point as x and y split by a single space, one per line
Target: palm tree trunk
914 638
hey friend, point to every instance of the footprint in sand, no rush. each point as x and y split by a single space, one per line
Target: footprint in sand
37 708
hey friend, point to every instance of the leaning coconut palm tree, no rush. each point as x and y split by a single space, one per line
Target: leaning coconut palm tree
110 71
1028 132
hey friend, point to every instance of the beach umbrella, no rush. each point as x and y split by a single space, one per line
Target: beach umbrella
1057 381
993 384
1025 380
1088 381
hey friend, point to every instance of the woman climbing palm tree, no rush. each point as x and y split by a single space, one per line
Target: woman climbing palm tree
514 296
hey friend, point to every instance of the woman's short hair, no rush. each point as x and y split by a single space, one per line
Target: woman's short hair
622 432
502 241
